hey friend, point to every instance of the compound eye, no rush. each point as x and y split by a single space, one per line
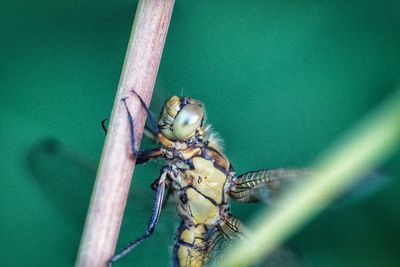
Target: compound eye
187 121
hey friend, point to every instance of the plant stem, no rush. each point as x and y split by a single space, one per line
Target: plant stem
360 151
116 165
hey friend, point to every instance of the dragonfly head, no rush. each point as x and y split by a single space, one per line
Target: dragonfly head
180 118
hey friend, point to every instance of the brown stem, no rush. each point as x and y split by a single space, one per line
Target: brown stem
116 165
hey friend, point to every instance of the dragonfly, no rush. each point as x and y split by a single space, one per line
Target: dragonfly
202 181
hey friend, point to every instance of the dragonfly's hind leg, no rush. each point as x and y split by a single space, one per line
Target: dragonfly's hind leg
153 220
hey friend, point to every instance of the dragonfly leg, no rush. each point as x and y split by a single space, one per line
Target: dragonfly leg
103 126
153 127
153 220
148 132
135 150
144 156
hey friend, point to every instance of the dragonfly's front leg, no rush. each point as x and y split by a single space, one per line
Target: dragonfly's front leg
153 220
134 148
141 156
144 156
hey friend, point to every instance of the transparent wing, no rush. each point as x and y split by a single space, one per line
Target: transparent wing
265 185
224 235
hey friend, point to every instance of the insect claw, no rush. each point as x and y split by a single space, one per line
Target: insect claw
103 125
153 185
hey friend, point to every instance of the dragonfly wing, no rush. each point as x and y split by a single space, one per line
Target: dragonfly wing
224 235
265 185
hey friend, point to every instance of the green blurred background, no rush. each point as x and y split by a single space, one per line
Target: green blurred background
281 81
